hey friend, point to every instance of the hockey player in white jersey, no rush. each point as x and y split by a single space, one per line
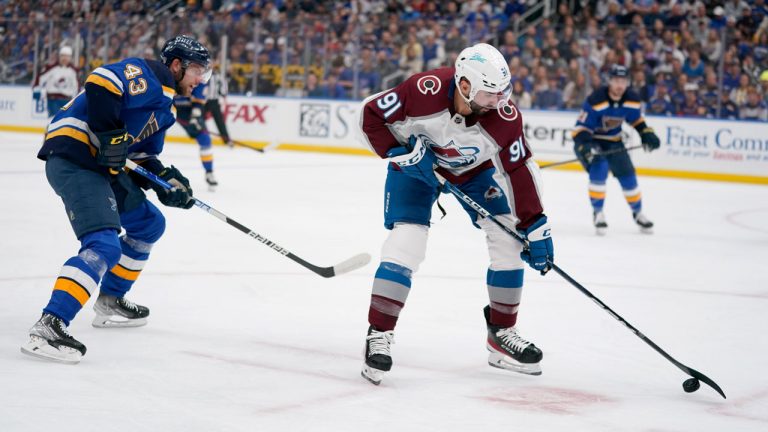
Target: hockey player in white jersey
58 82
461 121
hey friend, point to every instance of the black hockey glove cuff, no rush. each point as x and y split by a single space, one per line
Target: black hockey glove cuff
113 148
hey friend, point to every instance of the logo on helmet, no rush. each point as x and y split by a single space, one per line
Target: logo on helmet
477 57
428 84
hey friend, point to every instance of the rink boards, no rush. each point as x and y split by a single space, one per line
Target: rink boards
691 148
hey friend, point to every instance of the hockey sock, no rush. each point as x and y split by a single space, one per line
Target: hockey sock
504 292
79 276
206 158
631 192
391 286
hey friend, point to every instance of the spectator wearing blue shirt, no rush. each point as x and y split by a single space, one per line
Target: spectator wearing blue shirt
551 98
728 109
660 104
332 89
693 66
273 54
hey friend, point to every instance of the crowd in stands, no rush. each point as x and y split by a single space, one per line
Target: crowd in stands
687 57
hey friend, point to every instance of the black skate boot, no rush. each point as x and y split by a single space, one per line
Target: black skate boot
646 226
112 311
377 354
50 340
601 226
211 180
507 350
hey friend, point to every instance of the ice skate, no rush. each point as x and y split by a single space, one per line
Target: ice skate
646 226
112 311
50 340
601 226
210 179
377 355
508 350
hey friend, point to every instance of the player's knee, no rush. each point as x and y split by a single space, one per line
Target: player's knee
155 226
100 250
406 245
503 249
628 181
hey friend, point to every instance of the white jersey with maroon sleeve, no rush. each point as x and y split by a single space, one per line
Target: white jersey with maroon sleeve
423 106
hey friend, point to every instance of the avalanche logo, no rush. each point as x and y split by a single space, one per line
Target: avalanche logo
428 84
492 193
451 155
508 112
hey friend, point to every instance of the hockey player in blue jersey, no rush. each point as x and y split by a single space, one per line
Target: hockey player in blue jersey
123 112
598 131
191 116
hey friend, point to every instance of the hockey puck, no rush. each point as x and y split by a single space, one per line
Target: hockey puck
691 385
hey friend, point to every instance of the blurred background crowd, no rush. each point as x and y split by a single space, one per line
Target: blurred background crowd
688 58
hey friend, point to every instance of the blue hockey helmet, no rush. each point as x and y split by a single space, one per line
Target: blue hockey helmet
188 50
619 71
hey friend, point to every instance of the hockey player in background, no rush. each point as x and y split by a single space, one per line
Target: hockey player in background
58 82
459 119
123 113
598 131
191 115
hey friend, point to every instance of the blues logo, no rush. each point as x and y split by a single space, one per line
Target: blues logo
451 155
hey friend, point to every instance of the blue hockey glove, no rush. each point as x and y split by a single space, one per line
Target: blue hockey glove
180 195
113 148
649 139
540 251
415 160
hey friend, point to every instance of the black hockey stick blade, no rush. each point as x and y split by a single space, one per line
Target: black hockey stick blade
706 380
345 266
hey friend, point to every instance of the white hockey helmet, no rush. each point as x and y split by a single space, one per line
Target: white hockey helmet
488 74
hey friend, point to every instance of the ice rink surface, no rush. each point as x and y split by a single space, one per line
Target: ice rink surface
243 339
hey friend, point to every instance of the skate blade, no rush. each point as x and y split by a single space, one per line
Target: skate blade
374 376
601 231
505 362
212 188
40 348
646 230
116 321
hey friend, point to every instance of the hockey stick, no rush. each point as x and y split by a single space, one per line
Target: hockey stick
688 385
348 265
609 152
237 143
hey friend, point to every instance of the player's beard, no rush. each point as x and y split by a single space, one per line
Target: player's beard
477 109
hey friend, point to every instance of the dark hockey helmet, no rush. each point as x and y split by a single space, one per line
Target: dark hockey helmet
619 71
188 50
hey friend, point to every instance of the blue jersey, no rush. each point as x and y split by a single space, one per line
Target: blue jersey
601 118
135 94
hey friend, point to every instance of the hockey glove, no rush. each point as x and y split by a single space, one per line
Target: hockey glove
416 161
540 251
180 195
649 139
113 148
196 122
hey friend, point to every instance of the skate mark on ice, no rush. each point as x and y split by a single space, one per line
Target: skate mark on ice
275 368
746 407
551 400
738 219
